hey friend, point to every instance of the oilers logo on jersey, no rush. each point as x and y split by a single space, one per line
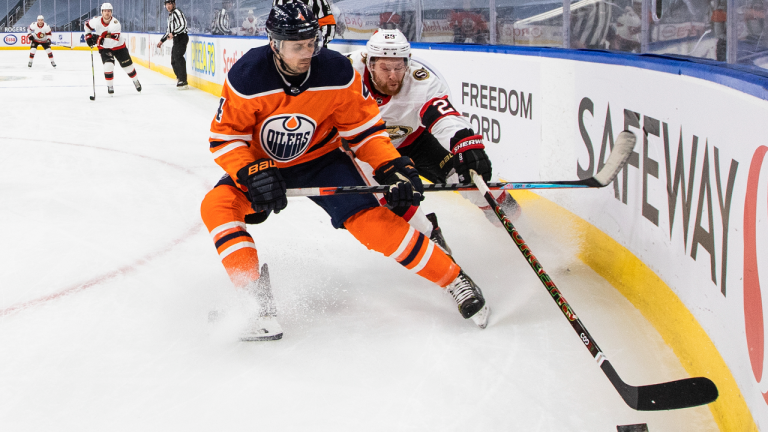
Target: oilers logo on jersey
286 136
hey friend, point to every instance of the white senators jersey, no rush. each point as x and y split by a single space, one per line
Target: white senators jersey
250 27
40 33
108 33
421 105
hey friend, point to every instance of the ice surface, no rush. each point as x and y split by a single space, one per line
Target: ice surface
108 277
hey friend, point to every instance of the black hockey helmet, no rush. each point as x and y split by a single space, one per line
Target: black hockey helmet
292 21
169 1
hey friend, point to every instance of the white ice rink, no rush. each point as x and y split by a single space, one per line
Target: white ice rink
108 276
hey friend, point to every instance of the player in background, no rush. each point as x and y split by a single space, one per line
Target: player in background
324 14
177 30
249 25
104 33
40 34
424 126
283 130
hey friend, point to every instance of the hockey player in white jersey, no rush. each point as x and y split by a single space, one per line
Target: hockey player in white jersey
40 34
423 125
104 33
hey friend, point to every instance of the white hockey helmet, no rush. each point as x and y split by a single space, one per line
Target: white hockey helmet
40 17
390 43
106 6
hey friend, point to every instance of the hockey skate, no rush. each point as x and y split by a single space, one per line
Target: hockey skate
53 63
29 64
110 90
470 299
137 84
437 235
182 85
264 325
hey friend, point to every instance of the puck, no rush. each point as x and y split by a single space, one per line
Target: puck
642 427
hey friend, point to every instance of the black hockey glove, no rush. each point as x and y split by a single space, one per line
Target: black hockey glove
406 189
266 187
256 218
90 39
469 154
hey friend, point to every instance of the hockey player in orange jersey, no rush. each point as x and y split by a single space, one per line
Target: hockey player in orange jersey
283 110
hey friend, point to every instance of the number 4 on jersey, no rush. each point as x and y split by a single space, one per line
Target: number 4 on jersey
220 111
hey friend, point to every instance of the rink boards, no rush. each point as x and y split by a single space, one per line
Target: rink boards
677 233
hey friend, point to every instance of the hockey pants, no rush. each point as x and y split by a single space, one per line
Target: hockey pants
224 208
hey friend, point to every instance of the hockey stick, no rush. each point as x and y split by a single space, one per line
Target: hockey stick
683 393
93 73
62 44
621 152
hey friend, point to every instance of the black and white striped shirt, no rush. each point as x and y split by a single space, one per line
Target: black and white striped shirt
322 11
220 24
590 25
177 24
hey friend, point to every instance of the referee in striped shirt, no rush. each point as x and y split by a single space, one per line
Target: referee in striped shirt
322 10
177 30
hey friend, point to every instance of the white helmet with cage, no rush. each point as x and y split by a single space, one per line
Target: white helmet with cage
388 43
106 6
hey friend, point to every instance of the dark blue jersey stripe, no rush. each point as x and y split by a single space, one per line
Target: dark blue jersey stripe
365 134
229 237
414 251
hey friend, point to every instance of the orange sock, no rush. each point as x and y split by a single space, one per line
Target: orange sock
223 211
383 231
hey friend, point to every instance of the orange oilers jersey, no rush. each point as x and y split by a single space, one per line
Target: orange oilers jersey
261 115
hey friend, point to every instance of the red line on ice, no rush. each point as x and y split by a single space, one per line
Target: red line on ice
114 273
103 277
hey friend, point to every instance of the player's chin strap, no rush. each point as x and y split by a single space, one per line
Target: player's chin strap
283 65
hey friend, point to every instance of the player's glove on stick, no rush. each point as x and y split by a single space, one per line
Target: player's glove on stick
469 154
266 187
406 189
90 39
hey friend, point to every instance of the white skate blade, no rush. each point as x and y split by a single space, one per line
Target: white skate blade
263 329
481 317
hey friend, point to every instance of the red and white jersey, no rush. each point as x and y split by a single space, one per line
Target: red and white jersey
40 33
251 28
421 105
108 33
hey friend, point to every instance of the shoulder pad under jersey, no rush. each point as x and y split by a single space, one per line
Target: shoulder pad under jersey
330 69
256 72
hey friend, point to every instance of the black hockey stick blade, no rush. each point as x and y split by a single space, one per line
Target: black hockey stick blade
684 393
622 150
